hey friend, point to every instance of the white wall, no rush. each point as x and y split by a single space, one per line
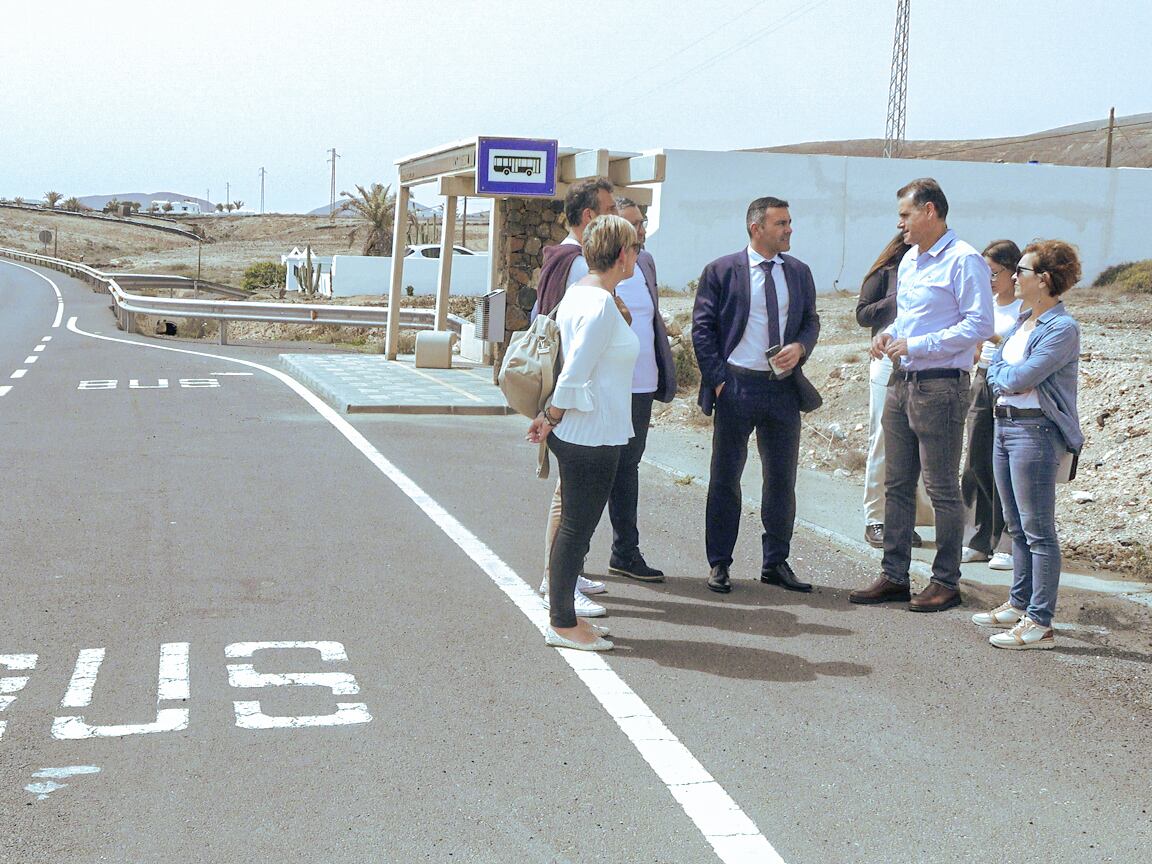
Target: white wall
361 274
844 209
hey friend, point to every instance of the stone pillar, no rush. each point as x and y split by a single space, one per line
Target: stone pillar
530 224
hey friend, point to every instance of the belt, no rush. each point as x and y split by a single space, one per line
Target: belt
927 374
743 372
1010 412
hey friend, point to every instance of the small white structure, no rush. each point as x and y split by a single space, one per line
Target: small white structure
296 258
191 208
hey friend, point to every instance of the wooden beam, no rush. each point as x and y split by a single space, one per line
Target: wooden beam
582 166
639 194
458 185
638 169
399 233
447 237
429 166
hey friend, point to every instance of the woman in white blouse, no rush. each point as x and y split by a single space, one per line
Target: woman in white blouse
589 418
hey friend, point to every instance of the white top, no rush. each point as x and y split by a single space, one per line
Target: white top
1014 355
636 296
578 269
1004 319
749 352
599 351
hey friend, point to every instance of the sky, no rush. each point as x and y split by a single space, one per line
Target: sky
110 97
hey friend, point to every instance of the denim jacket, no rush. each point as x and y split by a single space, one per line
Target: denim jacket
1050 367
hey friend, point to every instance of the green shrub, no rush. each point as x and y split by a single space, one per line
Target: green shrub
264 275
1133 277
687 371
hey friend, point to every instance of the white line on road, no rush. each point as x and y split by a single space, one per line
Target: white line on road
40 348
79 694
31 358
4 390
732 835
19 373
59 297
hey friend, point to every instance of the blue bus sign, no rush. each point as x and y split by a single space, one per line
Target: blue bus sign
516 166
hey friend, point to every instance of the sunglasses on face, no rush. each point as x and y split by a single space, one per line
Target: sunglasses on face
1020 270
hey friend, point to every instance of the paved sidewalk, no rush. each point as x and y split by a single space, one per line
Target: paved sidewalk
370 384
833 507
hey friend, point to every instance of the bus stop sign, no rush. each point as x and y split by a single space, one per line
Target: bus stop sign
516 166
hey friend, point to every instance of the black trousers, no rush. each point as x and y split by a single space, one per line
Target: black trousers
622 504
753 402
586 475
984 523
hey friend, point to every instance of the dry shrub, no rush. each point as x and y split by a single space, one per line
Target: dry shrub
1134 277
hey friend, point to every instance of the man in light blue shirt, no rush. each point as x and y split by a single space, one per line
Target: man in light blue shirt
943 312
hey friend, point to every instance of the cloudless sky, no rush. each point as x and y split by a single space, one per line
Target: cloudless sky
109 97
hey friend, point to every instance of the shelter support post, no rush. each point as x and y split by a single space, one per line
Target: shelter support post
447 238
392 339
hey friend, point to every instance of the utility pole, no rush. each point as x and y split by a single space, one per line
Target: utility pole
332 198
262 172
1111 126
898 85
227 194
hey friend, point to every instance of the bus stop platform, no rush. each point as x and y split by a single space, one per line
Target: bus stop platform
371 384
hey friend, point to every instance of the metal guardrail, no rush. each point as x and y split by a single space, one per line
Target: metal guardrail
172 228
127 306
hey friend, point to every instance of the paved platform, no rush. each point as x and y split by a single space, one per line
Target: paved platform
370 384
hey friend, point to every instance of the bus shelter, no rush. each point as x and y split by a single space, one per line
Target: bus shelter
454 168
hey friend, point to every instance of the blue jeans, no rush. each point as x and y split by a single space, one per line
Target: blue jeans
1025 458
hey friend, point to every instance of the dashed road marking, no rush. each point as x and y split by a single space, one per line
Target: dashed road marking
31 358
19 373
4 389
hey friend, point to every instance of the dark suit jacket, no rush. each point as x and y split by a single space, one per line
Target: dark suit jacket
666 389
721 314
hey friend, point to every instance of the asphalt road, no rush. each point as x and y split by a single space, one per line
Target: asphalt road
351 667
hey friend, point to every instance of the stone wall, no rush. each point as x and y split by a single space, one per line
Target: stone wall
530 224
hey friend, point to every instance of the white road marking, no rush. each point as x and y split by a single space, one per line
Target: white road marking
43 790
134 384
40 348
10 686
31 358
59 297
733 836
4 390
244 676
46 339
233 373
173 685
19 373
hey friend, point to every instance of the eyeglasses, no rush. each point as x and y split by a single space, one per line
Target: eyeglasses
1020 270
643 223
996 274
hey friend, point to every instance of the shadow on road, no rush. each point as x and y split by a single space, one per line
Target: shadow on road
754 664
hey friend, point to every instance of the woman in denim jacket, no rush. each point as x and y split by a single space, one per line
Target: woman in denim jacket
1033 374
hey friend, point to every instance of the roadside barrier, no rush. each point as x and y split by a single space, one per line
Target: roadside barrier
127 306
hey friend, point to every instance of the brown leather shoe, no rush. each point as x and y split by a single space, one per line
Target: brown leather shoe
935 598
881 591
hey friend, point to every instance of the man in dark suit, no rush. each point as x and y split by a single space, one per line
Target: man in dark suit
753 326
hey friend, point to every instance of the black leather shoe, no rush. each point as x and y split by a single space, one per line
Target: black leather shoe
637 569
874 535
781 574
718 580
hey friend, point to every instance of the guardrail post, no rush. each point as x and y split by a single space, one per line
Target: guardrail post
223 331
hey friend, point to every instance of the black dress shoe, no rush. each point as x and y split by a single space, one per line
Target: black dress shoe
874 535
636 568
718 580
781 574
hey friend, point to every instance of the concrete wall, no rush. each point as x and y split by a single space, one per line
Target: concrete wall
844 209
363 274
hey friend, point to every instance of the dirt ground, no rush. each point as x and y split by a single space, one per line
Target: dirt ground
1113 530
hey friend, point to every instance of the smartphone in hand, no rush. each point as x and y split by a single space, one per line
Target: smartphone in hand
776 371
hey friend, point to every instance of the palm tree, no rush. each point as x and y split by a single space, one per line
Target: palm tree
73 204
52 198
238 204
376 205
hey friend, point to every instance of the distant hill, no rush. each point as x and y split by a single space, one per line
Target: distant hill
1082 144
97 202
420 210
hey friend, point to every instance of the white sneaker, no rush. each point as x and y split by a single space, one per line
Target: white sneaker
969 555
1004 615
585 608
1000 561
1025 635
587 586
590 586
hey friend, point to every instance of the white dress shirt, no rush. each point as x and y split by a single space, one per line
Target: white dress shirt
749 352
